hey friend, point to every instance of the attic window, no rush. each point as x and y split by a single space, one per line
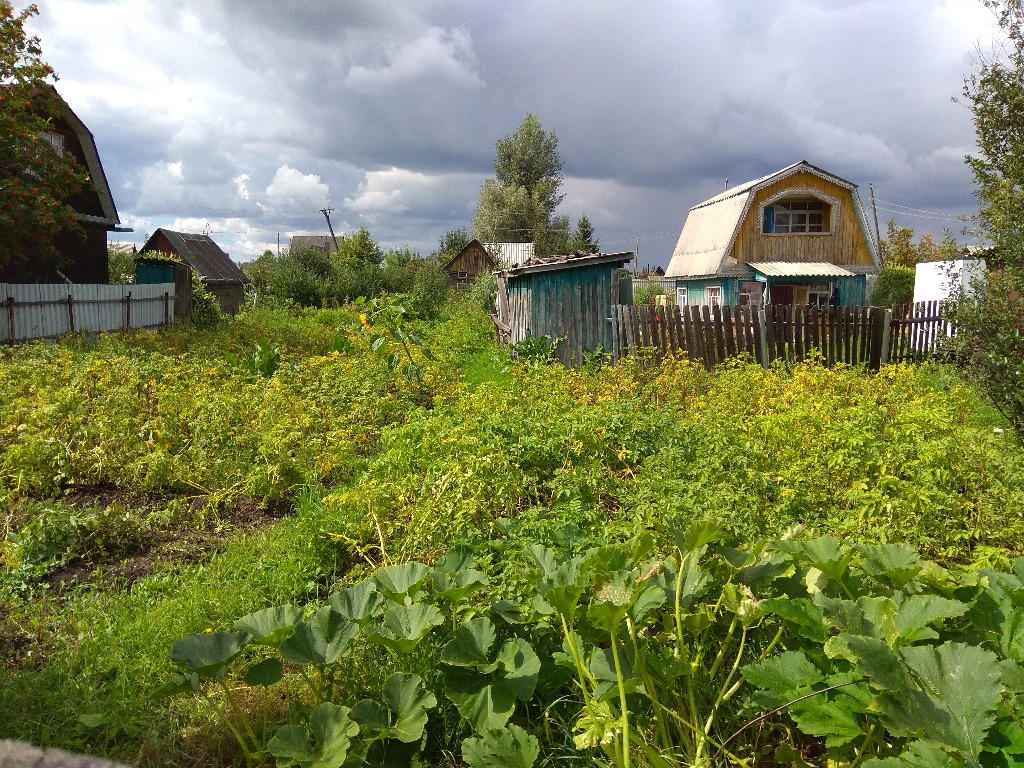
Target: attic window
792 217
56 141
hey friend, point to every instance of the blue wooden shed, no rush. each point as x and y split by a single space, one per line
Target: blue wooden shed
565 297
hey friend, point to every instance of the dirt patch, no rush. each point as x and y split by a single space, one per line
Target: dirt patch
197 540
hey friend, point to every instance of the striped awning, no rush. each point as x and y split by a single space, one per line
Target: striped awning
799 269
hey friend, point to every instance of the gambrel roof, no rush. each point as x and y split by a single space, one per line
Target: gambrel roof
705 245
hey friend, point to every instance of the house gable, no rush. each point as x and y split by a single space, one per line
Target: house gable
725 233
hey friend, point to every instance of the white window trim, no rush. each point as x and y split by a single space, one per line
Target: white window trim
707 295
682 296
56 141
800 192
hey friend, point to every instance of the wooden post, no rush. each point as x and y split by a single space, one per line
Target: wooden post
71 313
10 315
128 310
167 310
880 320
762 337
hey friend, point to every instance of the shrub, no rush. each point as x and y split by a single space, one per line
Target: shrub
206 312
895 286
645 294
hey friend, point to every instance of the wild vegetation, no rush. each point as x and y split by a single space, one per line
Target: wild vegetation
228 518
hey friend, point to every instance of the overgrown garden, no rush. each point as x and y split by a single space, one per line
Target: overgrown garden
306 537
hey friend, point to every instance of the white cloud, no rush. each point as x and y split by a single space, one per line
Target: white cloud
241 186
293 190
174 169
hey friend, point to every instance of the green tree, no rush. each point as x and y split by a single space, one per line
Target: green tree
895 285
898 249
452 242
990 331
518 204
583 240
359 248
35 180
120 264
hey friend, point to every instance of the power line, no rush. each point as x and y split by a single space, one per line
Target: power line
907 207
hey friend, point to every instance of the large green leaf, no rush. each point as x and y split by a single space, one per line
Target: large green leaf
510 747
808 618
400 581
485 693
271 626
955 705
786 673
894 565
918 611
835 719
360 603
457 586
322 640
470 644
403 714
325 744
405 626
209 653
265 673
825 553
458 558
920 754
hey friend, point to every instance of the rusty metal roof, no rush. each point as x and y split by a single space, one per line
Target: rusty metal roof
570 261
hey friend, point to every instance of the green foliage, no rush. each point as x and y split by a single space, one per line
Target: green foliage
206 311
895 285
898 249
359 248
583 239
120 264
645 293
988 317
483 291
263 360
451 244
35 180
536 350
518 204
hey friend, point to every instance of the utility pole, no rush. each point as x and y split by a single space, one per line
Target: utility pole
327 215
636 256
874 210
279 245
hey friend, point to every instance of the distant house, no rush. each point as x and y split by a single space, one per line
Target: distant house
323 243
797 236
84 259
219 273
562 297
469 263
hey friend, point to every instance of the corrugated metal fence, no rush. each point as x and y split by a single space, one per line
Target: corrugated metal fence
854 335
35 311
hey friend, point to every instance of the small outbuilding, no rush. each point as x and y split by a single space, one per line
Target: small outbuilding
221 276
565 297
468 264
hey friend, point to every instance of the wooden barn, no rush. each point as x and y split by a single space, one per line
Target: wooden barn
221 276
567 297
83 258
797 236
468 264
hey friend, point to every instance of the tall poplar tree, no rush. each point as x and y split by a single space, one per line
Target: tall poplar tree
35 180
518 205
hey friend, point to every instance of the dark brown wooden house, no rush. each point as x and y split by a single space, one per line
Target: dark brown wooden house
83 257
221 276
468 264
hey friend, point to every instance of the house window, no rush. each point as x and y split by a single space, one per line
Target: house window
713 295
791 217
681 300
751 293
56 141
819 294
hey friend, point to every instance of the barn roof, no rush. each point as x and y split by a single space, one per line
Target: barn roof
711 227
466 248
321 242
203 255
510 253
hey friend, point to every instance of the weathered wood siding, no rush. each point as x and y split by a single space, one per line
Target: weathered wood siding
38 311
470 263
574 304
846 244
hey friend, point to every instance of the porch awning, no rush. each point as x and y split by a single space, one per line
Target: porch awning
799 269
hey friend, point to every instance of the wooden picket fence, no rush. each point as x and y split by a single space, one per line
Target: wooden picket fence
872 336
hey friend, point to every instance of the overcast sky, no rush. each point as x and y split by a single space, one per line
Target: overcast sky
248 116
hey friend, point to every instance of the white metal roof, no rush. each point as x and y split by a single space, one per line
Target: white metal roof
799 269
510 254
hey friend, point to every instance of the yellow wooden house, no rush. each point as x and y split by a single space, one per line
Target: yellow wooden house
797 236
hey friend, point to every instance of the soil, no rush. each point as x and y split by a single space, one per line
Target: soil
159 547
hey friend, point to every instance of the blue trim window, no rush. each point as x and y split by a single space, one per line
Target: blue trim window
768 225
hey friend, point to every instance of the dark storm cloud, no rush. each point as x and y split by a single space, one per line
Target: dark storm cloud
389 112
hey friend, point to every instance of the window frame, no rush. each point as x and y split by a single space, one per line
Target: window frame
56 140
717 300
804 195
682 296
